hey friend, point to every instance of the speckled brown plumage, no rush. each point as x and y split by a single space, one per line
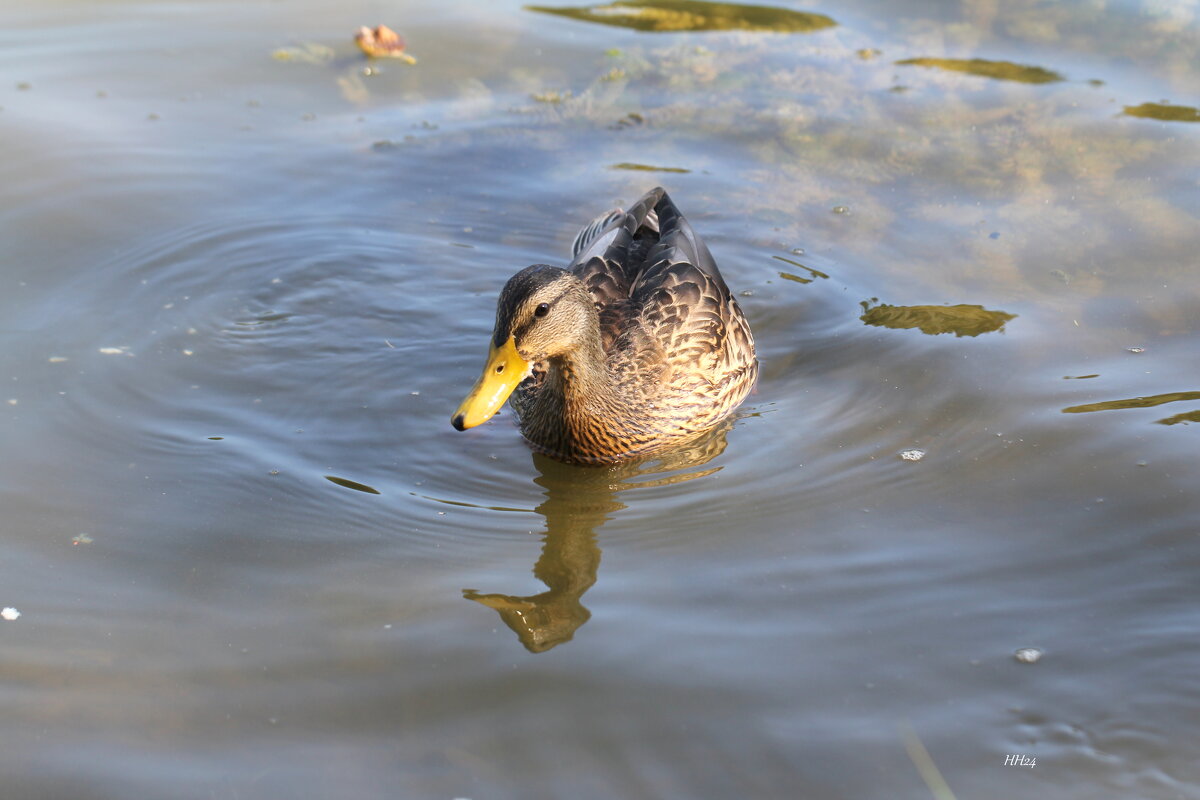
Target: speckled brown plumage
660 349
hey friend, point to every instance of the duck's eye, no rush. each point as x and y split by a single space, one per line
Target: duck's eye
542 310
499 368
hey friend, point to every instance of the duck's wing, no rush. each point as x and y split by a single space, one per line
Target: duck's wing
590 234
661 297
609 254
612 235
686 306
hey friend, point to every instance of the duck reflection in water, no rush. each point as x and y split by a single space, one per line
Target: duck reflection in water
578 501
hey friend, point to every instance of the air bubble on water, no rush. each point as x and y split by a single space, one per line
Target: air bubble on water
1028 655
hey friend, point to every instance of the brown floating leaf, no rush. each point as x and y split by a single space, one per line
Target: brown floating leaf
961 320
382 42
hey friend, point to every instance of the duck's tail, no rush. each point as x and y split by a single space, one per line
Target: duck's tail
623 238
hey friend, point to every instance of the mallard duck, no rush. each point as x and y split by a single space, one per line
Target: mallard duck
636 345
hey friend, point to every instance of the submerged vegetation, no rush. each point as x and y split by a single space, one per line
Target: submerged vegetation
1133 402
961 320
1164 111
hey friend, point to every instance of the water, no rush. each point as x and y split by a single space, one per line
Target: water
244 284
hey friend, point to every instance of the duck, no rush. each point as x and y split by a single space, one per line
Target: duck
635 346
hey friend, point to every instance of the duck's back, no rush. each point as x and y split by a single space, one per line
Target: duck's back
667 318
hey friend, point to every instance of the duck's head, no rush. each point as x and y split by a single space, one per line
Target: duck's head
543 312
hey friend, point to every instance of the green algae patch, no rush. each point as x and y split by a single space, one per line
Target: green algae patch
306 53
1135 402
674 16
998 70
627 165
961 320
1184 418
1163 111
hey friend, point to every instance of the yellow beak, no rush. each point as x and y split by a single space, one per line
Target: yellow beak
504 370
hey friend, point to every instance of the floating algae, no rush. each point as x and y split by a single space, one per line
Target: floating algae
672 16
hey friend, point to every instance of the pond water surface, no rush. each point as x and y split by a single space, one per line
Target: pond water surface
247 275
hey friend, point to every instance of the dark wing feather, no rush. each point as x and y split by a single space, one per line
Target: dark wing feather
589 234
678 244
620 239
